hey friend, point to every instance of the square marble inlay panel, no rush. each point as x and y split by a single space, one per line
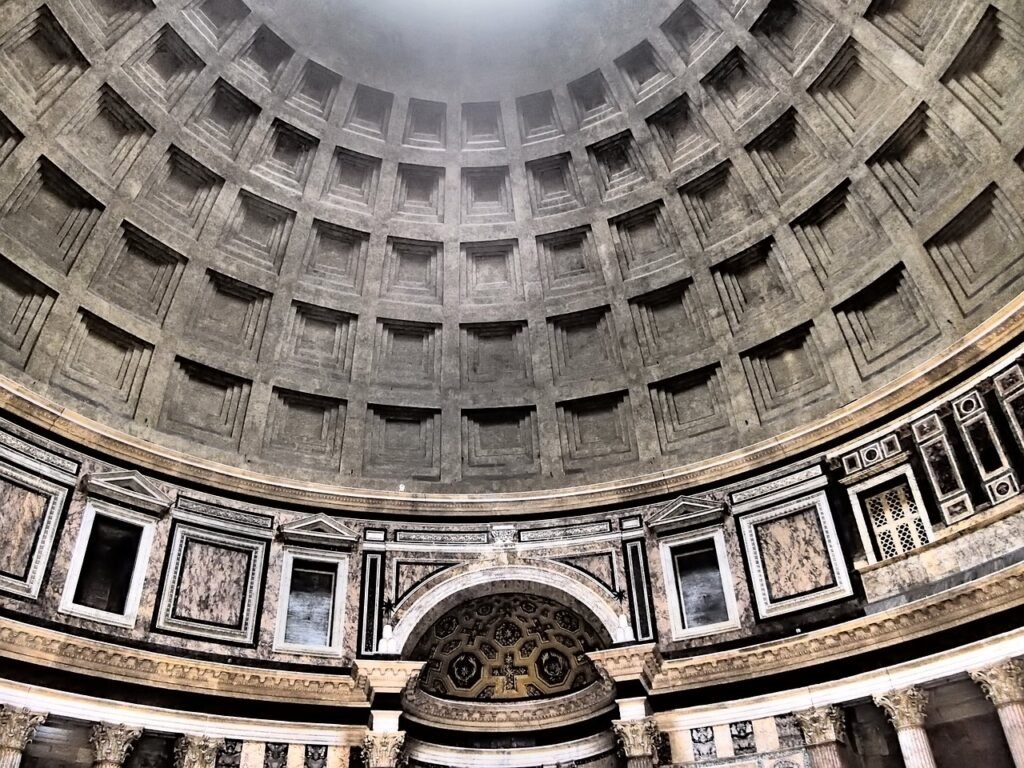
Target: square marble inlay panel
212 584
794 555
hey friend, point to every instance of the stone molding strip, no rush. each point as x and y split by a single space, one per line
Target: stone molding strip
956 662
595 699
89 709
986 596
46 647
930 376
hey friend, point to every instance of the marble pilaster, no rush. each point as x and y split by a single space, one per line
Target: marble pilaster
17 727
824 730
1003 684
906 710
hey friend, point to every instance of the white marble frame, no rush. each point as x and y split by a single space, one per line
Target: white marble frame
167 622
340 561
138 579
860 516
676 611
56 495
841 586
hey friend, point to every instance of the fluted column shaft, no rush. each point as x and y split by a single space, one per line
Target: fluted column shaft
1004 686
824 730
17 727
906 710
917 752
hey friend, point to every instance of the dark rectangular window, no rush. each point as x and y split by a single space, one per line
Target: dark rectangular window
108 565
699 581
311 604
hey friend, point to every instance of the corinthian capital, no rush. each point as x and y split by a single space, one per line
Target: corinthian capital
1003 683
383 750
905 707
822 725
112 743
638 738
17 727
196 752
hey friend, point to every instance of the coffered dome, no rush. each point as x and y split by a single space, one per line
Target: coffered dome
418 252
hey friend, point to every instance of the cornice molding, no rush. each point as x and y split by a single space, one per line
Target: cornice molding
986 596
46 647
501 716
928 377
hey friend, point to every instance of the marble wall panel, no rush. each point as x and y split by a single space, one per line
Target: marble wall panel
212 584
794 554
22 513
993 537
408 574
30 512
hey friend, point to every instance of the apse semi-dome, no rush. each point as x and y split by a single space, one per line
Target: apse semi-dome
643 245
506 647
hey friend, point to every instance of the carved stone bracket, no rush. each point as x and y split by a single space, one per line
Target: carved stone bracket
196 752
822 725
17 727
1002 683
638 738
905 707
112 743
383 750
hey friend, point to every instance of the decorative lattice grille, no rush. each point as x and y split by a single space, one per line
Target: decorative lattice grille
897 521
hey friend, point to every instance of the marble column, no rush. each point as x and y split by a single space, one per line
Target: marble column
196 752
639 741
1003 684
112 743
824 730
383 749
906 710
17 727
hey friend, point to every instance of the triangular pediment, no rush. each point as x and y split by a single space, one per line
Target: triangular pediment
686 512
127 487
319 531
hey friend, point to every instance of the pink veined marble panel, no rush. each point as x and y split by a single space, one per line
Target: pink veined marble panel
794 554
